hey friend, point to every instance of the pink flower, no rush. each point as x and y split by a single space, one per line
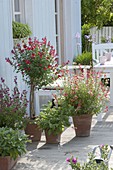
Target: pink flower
24 46
48 44
8 61
74 160
2 80
22 50
27 62
44 40
68 159
28 48
49 66
45 68
102 145
29 38
12 51
33 56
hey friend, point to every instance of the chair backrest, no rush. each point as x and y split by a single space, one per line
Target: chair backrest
100 50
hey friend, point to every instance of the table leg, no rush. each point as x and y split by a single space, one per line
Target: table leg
111 89
99 117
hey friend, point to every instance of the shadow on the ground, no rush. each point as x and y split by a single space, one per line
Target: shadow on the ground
43 156
32 146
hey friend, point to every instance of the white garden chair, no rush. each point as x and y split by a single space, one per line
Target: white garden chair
99 50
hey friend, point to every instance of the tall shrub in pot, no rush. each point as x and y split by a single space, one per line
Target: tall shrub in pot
37 62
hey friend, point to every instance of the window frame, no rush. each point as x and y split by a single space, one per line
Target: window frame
59 24
21 12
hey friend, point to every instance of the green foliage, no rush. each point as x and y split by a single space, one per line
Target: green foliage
91 164
103 40
37 62
97 13
85 95
106 40
13 106
84 59
53 119
12 142
86 43
20 30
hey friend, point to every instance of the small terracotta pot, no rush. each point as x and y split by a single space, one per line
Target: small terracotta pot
52 139
33 131
82 125
6 163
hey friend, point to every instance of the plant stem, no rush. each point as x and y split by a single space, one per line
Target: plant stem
32 109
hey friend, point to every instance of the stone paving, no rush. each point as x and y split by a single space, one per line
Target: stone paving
41 156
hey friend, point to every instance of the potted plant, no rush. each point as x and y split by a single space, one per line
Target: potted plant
84 59
13 106
94 163
32 129
37 62
86 97
52 120
12 145
20 32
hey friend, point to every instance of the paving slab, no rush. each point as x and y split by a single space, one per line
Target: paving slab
42 156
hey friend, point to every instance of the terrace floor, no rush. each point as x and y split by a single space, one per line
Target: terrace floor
41 156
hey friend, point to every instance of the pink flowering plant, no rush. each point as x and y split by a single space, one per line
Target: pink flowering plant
84 95
93 163
38 63
13 106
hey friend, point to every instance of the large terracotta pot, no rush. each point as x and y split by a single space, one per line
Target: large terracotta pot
6 163
33 131
82 125
52 139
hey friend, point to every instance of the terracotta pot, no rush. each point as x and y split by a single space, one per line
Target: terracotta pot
6 163
52 139
33 131
82 125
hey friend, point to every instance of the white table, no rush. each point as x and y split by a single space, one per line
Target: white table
48 90
107 68
73 68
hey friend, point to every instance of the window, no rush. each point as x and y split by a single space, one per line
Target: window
59 29
19 10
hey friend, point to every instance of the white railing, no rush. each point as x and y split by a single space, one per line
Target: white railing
106 32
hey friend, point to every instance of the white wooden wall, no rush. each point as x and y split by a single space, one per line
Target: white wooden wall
41 18
5 40
76 26
72 25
